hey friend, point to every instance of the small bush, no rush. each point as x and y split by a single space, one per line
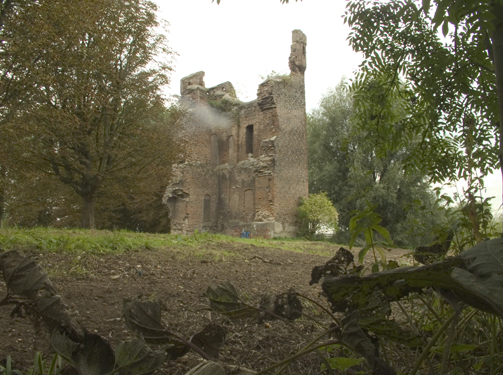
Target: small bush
315 213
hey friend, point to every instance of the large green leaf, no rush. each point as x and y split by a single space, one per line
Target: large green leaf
225 300
483 276
63 345
287 305
338 265
426 6
210 339
92 356
95 356
343 363
144 318
23 275
354 290
475 277
374 317
135 358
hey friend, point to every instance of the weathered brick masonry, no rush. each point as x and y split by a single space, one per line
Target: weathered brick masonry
245 164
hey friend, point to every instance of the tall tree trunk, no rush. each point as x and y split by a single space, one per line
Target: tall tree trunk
497 44
88 217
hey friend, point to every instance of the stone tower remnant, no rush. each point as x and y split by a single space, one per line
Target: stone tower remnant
244 166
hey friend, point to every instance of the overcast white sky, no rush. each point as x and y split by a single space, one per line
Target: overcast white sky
241 40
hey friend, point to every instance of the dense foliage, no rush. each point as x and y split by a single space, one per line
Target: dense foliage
453 82
349 164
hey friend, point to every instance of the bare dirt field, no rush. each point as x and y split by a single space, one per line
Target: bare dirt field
93 287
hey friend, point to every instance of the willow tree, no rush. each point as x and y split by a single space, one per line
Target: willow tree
98 70
357 168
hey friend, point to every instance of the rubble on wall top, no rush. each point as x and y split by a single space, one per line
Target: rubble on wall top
194 79
299 36
297 60
223 96
218 91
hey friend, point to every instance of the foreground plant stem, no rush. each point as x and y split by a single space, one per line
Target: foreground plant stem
296 329
448 343
409 318
464 322
320 306
432 342
494 344
297 355
428 306
312 342
196 348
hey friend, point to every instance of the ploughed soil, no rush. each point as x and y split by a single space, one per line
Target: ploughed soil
94 286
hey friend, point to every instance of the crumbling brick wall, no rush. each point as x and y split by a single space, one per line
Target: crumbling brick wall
244 166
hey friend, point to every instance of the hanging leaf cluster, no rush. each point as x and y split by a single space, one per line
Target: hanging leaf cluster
442 81
144 319
225 299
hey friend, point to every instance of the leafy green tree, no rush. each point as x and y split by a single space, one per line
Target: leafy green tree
454 84
351 164
16 87
482 22
98 74
316 212
131 201
35 199
134 201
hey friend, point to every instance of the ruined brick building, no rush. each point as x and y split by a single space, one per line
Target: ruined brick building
245 164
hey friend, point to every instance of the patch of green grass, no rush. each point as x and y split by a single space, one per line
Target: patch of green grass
76 241
79 241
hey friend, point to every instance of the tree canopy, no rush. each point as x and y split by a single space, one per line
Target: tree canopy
96 116
453 82
345 161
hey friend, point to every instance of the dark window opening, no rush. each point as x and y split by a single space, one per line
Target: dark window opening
249 139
